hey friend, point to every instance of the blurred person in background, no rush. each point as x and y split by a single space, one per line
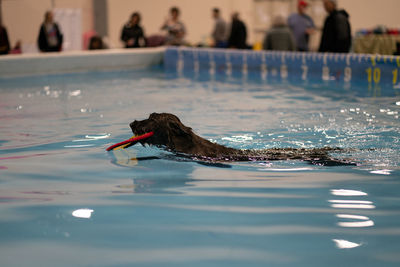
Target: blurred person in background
336 34
238 35
50 38
302 26
4 42
279 37
175 29
96 42
132 33
219 33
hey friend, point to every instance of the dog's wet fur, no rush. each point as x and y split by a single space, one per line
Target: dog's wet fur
171 134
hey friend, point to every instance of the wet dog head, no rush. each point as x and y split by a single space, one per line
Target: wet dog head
168 131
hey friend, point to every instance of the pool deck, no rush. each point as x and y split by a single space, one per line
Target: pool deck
78 61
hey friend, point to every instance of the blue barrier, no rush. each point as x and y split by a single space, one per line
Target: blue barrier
367 75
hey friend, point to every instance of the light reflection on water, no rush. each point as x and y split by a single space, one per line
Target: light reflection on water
343 244
82 213
60 190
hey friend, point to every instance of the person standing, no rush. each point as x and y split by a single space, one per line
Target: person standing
50 38
132 33
4 42
176 30
238 36
219 33
302 26
336 34
279 37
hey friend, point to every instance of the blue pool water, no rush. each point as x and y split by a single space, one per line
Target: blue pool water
65 201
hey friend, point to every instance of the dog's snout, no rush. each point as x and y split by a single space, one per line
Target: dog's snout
134 124
138 127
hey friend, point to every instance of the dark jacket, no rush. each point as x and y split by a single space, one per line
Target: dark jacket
237 38
4 43
44 46
336 35
134 32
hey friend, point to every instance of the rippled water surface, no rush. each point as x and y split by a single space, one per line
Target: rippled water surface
65 201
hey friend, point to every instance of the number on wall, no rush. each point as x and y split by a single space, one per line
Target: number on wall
305 72
325 73
347 74
374 74
395 76
284 72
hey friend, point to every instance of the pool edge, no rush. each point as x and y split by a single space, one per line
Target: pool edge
79 61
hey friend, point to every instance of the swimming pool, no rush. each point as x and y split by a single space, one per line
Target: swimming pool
65 201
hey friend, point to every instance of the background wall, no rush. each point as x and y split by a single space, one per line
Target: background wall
196 15
370 13
23 17
257 14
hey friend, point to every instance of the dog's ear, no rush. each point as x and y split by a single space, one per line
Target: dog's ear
179 136
178 129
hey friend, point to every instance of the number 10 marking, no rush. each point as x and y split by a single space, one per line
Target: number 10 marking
375 75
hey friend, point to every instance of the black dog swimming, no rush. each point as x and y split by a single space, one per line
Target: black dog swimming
172 135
